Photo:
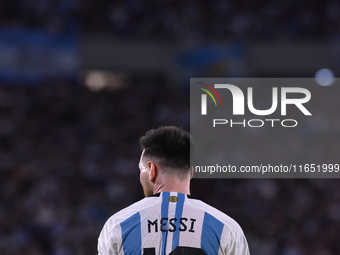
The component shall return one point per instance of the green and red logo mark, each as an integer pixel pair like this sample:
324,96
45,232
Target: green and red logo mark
204,97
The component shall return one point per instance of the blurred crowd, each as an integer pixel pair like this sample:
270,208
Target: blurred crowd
69,160
175,20
69,157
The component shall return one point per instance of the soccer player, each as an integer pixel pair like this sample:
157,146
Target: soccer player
168,220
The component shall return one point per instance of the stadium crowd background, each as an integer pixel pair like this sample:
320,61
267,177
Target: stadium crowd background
176,19
69,157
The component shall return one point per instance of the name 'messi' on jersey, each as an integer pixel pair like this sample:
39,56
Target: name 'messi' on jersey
165,225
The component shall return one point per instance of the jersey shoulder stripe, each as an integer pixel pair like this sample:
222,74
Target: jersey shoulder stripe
127,212
211,234
226,220
131,235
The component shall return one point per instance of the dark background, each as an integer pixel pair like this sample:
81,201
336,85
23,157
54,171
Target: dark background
81,81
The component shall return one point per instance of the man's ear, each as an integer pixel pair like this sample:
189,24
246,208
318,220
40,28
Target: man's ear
192,172
153,171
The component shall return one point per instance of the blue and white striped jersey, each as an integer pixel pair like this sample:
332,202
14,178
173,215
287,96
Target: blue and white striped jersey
158,224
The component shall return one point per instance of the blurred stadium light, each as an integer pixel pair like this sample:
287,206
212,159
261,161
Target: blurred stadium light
96,80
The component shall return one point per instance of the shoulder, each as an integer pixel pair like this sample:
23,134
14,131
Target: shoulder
224,218
129,211
110,234
232,238
230,225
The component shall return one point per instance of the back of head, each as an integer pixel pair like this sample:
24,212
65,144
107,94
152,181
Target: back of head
170,147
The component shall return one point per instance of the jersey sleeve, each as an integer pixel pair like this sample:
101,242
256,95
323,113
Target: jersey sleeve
107,244
235,242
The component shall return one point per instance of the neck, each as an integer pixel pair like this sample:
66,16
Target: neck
172,183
